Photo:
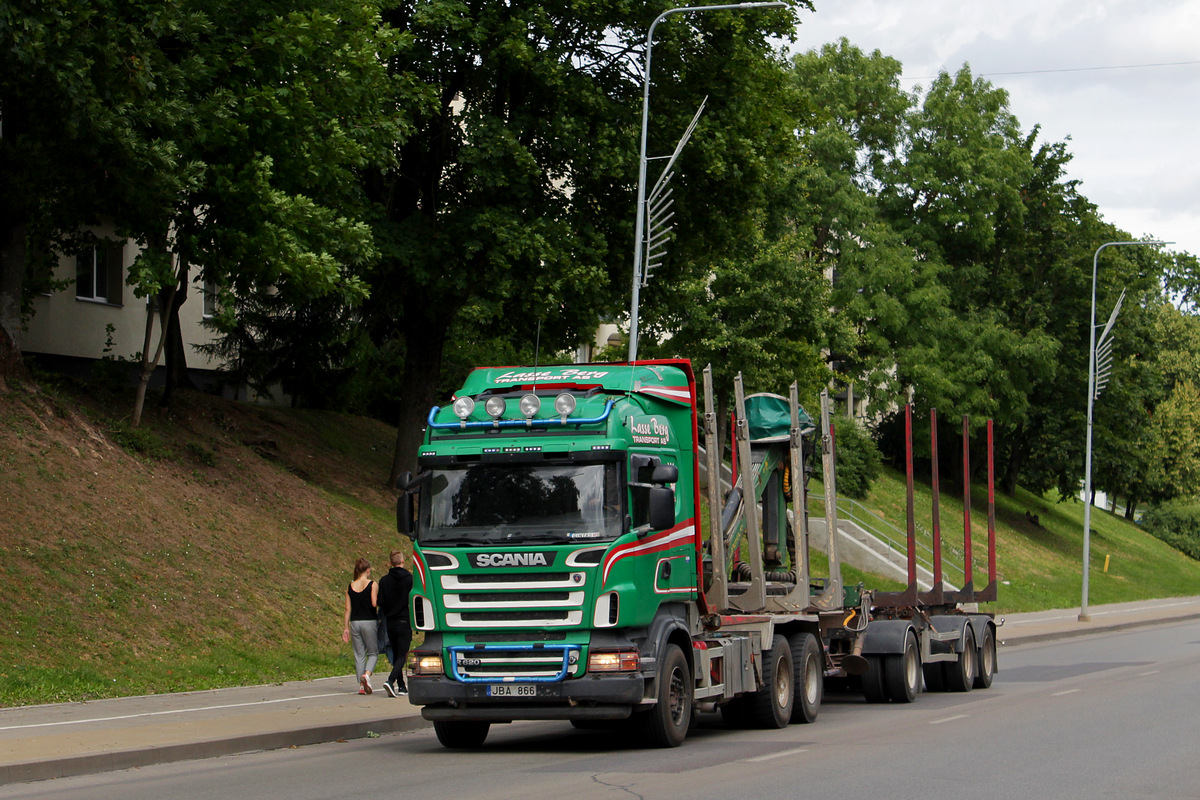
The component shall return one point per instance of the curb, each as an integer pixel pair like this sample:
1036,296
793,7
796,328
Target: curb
71,766
1073,633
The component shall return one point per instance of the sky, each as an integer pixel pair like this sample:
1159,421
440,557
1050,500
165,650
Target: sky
1084,73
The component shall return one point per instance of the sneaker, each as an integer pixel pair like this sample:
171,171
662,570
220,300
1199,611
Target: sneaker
401,690
366,685
387,687
362,691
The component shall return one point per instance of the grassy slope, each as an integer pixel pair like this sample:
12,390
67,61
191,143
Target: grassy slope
1040,548
211,547
216,556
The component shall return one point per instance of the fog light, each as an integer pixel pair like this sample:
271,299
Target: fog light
564,405
494,407
427,664
619,661
530,406
463,407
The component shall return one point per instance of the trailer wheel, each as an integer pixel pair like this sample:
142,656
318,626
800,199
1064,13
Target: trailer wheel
666,723
902,672
960,674
461,734
771,707
935,676
987,659
808,668
872,681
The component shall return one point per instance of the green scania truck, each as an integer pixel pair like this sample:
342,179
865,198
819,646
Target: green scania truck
562,570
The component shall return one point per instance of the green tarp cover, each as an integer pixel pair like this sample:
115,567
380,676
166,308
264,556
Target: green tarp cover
770,420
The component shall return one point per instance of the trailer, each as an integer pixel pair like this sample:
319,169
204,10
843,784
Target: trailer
562,570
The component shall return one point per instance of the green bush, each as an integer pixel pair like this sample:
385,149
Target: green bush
1177,523
858,459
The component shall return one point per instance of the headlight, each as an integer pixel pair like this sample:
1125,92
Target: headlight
530,405
619,661
463,407
564,405
494,407
427,664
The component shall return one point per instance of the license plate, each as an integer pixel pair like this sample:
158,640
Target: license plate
512,690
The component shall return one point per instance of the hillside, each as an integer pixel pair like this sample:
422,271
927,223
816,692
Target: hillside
207,548
211,546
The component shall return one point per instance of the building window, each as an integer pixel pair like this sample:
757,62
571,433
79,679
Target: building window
210,299
98,274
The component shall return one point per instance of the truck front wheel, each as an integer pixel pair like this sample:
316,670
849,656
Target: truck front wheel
666,723
461,734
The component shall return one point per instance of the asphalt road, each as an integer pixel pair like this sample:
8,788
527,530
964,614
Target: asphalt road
1105,716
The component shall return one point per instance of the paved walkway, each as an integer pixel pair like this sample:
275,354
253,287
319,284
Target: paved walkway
51,741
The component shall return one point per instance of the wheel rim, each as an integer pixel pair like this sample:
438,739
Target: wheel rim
676,697
969,662
988,661
812,680
912,667
783,683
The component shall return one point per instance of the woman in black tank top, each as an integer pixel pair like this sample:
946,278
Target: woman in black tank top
362,596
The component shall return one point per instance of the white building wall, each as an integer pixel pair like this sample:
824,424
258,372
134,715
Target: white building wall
66,325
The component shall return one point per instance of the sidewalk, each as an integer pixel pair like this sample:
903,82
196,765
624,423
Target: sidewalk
63,739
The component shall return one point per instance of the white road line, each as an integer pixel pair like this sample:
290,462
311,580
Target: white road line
1068,691
1151,672
164,713
778,755
949,719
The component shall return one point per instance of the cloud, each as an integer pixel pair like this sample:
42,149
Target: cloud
1132,130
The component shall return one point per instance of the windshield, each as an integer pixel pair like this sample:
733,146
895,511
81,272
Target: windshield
515,503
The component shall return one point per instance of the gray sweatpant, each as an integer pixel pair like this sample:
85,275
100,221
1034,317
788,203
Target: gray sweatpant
366,647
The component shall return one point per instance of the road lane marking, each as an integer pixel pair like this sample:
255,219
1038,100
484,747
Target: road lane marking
1068,691
164,713
1144,674
949,719
778,755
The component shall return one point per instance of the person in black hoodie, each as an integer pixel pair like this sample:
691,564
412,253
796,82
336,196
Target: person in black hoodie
393,603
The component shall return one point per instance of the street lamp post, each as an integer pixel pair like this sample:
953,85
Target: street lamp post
639,225
1087,469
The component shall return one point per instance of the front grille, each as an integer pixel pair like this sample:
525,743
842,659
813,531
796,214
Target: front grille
517,636
513,616
513,577
514,597
529,662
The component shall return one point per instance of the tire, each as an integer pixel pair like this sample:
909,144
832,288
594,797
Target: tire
461,734
960,674
902,672
808,670
987,659
666,723
872,681
935,676
771,706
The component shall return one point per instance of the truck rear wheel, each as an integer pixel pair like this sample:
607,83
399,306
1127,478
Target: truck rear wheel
461,734
771,706
902,672
872,680
808,668
960,674
666,723
987,659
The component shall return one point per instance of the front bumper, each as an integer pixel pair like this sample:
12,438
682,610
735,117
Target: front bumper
589,697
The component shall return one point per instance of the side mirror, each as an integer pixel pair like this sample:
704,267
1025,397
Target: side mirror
404,514
662,508
664,473
403,480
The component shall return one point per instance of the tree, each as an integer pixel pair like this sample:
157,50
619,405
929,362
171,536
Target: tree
512,196
73,81
271,108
